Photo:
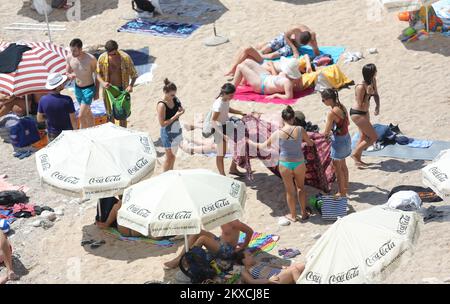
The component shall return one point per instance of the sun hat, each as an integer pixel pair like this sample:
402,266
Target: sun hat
289,66
54,80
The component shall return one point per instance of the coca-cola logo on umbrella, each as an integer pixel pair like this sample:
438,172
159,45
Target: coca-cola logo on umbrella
138,166
53,142
64,178
234,191
344,276
215,206
127,197
105,180
403,224
384,249
44,162
144,141
142,212
181,215
314,277
440,176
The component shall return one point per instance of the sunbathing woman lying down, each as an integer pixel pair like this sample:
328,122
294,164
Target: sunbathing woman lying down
264,273
263,82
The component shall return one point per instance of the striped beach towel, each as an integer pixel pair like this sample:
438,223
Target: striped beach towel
333,207
163,243
260,242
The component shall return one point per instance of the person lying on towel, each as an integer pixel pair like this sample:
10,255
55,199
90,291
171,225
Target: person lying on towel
222,247
284,45
280,86
264,273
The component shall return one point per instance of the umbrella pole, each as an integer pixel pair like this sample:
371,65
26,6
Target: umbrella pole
26,105
428,24
186,243
48,26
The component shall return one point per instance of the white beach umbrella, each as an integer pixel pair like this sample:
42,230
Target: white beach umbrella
181,202
407,6
437,174
362,247
96,162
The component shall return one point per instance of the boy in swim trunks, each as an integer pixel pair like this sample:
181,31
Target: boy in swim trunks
223,247
82,66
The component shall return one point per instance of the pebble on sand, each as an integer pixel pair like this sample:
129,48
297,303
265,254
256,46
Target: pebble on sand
51,216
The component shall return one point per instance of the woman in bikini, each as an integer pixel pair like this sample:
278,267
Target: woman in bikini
336,129
360,112
263,82
265,273
291,162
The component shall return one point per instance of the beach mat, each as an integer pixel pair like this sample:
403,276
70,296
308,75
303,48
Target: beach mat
142,62
246,93
116,234
159,28
334,51
406,152
260,242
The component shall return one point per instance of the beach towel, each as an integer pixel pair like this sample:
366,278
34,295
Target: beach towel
442,10
334,51
407,152
97,108
5,186
260,242
142,62
246,93
163,243
159,28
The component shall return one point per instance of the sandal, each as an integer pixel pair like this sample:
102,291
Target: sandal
97,244
87,242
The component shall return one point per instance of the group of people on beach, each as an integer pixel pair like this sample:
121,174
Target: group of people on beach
252,66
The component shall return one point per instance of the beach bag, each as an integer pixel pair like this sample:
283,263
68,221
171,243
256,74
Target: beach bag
6,122
143,5
24,132
333,207
196,265
405,200
208,129
11,197
120,103
425,194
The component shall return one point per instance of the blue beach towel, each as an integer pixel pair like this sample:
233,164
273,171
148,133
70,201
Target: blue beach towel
334,51
159,28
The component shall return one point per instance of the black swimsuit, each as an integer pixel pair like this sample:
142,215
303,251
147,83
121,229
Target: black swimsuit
358,112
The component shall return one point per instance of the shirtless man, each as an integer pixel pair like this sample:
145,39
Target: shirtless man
223,247
286,44
115,67
275,86
81,66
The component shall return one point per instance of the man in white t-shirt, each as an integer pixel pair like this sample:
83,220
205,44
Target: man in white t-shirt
220,110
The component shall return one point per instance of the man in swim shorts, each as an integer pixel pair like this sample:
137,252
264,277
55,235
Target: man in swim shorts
81,67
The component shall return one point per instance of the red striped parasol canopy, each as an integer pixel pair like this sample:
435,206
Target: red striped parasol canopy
32,72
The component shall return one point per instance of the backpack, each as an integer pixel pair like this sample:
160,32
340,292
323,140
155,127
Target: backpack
24,133
143,5
196,264
120,102
11,197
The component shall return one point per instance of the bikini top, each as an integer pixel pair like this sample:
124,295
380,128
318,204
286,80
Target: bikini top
341,127
367,96
291,148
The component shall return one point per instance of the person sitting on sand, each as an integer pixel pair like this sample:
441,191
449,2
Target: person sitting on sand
17,105
275,86
286,44
6,258
292,162
360,112
265,273
224,246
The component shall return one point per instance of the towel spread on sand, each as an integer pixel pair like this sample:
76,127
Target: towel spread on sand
334,51
163,243
159,28
5,186
260,242
246,93
142,62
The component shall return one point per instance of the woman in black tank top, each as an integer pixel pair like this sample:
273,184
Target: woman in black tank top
360,116
169,110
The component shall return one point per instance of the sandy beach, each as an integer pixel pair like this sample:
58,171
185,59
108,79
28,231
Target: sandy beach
413,86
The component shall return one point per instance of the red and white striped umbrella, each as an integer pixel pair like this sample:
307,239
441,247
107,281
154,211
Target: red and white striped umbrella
36,64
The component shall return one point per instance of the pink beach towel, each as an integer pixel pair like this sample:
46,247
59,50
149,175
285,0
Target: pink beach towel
246,93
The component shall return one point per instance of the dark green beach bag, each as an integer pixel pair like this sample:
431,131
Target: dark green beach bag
120,102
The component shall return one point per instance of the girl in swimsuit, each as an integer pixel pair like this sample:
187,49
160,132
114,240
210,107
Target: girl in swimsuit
336,129
262,82
360,112
265,273
292,162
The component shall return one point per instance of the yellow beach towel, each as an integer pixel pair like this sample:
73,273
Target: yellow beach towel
333,74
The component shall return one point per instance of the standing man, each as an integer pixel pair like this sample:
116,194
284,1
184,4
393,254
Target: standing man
81,66
116,68
57,109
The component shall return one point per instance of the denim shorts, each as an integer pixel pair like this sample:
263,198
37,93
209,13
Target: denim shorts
341,146
171,136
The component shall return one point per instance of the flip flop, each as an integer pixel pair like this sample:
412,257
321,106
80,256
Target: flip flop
87,242
291,254
97,244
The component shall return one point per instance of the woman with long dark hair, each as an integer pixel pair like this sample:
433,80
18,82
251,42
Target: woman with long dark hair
336,129
360,111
